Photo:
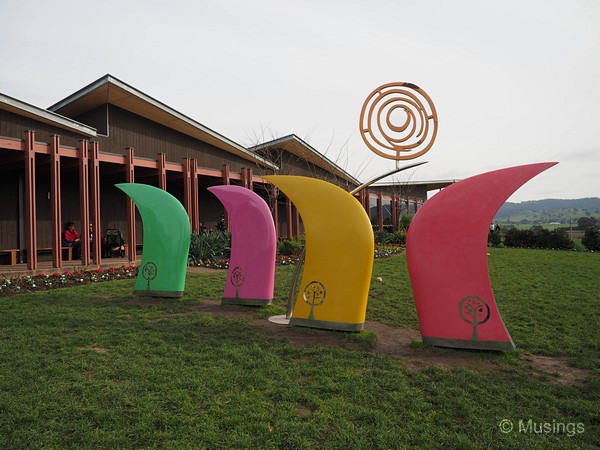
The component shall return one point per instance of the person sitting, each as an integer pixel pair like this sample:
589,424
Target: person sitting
113,244
71,237
221,225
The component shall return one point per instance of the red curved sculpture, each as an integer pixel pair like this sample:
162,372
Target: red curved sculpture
446,250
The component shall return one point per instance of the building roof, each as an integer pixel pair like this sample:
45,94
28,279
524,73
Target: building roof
429,185
109,89
293,144
41,115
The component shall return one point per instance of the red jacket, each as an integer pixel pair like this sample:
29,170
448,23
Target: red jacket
71,236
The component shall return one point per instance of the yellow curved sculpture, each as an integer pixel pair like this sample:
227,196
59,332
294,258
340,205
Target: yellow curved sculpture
334,289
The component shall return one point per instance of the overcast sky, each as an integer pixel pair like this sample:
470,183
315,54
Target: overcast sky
513,81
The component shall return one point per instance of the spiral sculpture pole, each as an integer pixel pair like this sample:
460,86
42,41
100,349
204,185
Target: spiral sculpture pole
398,121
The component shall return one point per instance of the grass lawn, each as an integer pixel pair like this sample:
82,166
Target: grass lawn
95,367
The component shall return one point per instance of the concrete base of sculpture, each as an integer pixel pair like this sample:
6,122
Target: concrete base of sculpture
327,325
470,344
247,301
166,294
279,320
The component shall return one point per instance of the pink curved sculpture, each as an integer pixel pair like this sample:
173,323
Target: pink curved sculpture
251,275
446,250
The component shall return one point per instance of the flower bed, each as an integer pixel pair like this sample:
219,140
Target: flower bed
213,263
381,251
281,260
290,260
42,282
385,251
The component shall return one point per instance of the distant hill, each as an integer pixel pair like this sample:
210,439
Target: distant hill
549,210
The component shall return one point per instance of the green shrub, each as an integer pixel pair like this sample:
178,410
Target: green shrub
591,239
399,237
288,247
494,238
383,237
559,239
209,245
515,238
583,223
405,221
538,237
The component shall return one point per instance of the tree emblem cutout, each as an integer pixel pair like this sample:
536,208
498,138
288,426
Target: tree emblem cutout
474,310
237,279
314,295
149,272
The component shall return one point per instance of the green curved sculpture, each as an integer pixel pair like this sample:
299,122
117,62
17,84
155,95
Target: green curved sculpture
166,241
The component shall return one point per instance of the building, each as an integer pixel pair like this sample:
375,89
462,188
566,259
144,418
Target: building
62,163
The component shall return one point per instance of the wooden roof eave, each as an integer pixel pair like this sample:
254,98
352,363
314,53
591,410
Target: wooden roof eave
298,147
109,89
21,108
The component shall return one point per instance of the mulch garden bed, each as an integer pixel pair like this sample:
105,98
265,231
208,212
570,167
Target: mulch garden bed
43,282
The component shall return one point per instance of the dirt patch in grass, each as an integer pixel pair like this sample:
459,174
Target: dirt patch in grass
558,367
398,342
390,341
64,335
302,411
304,379
95,348
305,336
395,342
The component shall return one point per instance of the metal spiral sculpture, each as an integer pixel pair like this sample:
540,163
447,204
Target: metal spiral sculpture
398,118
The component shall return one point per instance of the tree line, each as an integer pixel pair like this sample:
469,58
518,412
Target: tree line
539,237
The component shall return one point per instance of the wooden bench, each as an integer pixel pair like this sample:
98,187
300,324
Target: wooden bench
69,251
126,247
13,253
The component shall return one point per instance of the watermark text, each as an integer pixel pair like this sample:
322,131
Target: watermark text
531,426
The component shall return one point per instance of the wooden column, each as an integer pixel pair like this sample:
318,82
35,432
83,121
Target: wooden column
129,178
275,211
56,201
243,182
195,196
288,205
394,213
95,206
416,202
367,202
187,188
162,171
407,206
84,201
297,222
250,182
380,211
30,205
226,182
226,175
399,210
